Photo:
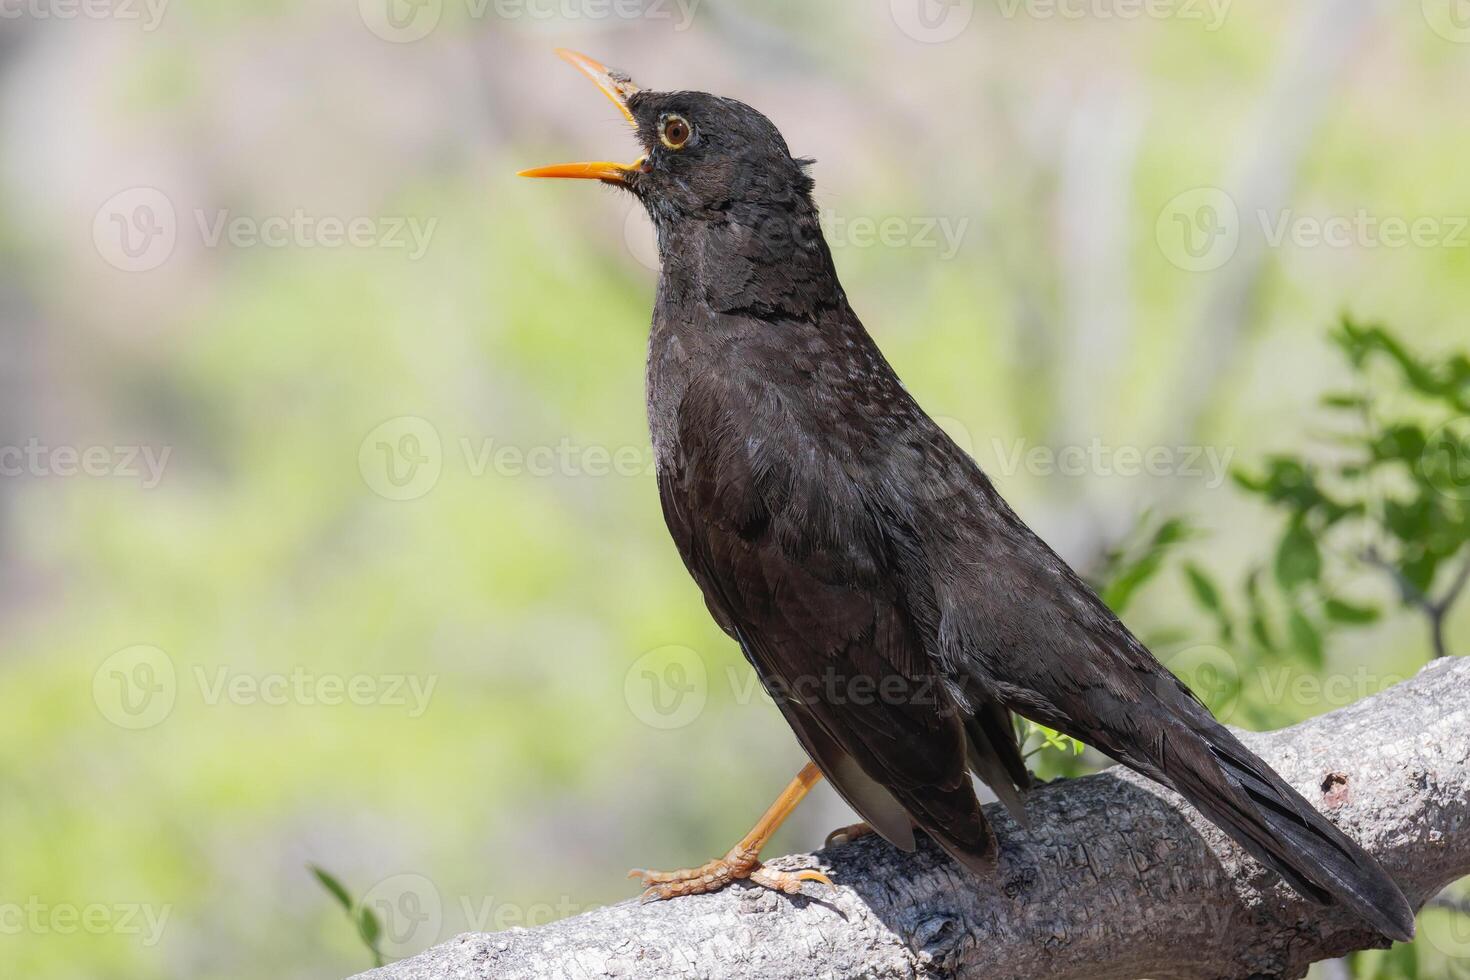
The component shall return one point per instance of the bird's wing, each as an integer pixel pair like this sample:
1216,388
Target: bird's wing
801,567
1023,626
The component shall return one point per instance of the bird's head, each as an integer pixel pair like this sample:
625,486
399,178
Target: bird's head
704,156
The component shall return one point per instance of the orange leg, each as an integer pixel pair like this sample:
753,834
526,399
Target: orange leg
742,862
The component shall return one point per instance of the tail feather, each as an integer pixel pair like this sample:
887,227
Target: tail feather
995,757
953,820
1308,850
1242,795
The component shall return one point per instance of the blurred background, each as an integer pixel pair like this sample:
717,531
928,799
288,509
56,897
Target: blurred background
328,531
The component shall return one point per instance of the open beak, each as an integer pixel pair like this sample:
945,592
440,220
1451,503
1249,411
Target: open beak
618,87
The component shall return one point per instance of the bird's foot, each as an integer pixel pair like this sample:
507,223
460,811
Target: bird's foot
740,864
849,833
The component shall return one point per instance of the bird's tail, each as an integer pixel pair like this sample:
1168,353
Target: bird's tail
1243,796
995,756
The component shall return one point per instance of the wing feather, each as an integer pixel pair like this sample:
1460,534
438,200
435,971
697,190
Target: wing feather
794,562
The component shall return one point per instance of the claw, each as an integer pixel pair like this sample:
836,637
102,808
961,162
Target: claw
742,862
852,832
717,874
786,882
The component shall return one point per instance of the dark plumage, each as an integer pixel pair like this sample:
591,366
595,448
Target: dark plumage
893,604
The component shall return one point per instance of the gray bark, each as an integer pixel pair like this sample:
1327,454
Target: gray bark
1114,877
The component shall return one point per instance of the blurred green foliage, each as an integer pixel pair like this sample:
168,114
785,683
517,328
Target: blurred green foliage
1396,502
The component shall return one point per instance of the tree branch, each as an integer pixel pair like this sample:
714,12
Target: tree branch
1442,607
1113,878
1435,610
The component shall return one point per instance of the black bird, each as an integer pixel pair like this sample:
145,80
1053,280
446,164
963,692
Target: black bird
892,603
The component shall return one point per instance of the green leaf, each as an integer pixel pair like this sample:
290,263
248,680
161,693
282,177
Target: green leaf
1418,568
1171,532
1345,399
1203,587
1259,623
1297,559
1445,382
1342,611
1131,566
368,925
1119,592
1248,482
1409,520
1305,637
1207,594
370,929
1052,738
335,887
1400,443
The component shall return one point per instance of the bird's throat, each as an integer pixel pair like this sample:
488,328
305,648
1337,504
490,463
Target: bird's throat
773,262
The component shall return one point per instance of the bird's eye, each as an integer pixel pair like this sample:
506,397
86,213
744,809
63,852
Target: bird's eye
675,132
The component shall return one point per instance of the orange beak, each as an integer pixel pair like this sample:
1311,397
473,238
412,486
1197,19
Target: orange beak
618,88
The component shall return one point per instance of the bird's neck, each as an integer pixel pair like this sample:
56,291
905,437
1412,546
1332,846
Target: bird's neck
768,261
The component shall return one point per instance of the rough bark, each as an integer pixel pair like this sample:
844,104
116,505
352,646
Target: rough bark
1113,878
